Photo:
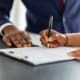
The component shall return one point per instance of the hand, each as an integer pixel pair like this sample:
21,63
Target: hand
12,36
56,39
75,53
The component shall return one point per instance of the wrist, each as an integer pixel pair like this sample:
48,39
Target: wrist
9,30
66,40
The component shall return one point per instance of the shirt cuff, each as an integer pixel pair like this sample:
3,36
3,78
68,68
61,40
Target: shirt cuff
3,26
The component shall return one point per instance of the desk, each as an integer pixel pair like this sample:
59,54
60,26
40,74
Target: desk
14,70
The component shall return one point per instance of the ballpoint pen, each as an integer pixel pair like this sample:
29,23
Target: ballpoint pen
50,28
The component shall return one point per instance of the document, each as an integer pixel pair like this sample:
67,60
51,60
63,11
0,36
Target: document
39,55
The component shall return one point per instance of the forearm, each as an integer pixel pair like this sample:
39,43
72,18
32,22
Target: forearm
73,39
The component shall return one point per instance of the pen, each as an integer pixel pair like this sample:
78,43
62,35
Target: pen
50,28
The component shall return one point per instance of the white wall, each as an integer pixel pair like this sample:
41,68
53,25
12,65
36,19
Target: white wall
18,14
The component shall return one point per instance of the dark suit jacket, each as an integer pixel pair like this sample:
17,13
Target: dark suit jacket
39,11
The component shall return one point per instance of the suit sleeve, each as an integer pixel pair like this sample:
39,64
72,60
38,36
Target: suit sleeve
5,8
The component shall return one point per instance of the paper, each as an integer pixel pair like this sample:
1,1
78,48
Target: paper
39,55
35,39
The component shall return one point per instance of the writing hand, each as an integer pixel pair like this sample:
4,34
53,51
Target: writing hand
56,39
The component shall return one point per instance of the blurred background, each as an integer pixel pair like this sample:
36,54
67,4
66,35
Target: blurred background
18,14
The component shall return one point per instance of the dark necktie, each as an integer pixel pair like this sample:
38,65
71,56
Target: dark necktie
61,2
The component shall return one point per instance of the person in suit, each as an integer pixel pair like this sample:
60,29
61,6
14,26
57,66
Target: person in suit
66,19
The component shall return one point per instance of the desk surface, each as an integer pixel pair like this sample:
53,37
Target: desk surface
14,70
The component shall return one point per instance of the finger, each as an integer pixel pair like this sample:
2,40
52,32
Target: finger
23,44
15,42
54,45
78,58
13,38
7,41
23,41
27,40
43,42
19,45
43,31
27,45
61,39
51,45
48,45
45,38
20,35
43,35
26,36
20,40
74,53
52,38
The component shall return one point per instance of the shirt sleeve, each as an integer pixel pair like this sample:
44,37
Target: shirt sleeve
3,26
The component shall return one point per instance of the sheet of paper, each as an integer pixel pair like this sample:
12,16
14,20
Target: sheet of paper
39,55
35,39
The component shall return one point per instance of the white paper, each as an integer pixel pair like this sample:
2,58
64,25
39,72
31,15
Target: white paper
35,39
40,55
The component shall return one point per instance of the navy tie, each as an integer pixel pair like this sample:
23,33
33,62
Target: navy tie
61,2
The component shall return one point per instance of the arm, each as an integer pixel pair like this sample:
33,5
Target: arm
11,35
73,39
5,8
58,39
